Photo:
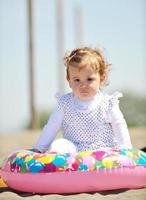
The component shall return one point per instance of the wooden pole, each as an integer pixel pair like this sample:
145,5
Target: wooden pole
60,45
78,26
31,63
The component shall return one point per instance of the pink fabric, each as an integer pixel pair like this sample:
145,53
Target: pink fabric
77,181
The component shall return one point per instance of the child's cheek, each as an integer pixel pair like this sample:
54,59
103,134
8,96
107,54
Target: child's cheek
74,85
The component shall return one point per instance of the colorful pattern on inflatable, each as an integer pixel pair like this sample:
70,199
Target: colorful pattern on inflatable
105,169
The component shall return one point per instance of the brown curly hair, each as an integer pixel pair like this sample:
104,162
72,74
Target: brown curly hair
81,57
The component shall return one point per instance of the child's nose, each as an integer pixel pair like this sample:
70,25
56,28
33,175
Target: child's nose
83,84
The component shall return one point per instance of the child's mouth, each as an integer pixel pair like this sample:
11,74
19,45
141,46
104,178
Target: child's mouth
84,92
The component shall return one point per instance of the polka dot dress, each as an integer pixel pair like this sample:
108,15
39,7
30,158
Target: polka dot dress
89,128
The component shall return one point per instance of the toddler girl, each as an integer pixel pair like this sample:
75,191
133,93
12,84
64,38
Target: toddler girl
90,119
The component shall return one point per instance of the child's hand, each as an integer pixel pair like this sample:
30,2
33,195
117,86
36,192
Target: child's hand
34,150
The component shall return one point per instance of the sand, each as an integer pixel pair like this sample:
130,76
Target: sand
25,140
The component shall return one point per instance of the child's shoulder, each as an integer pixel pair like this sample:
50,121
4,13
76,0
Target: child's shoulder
63,98
113,98
114,95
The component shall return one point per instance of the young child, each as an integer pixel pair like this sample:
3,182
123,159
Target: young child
89,118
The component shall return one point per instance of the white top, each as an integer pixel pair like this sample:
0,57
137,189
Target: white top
89,124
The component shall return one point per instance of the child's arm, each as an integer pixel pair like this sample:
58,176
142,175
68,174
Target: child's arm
50,131
120,127
34,150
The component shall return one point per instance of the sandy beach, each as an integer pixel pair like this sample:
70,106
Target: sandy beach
11,142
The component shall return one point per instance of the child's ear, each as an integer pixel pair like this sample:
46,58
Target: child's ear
67,78
102,79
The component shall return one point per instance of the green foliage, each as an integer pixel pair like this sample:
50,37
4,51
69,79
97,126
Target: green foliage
42,118
134,109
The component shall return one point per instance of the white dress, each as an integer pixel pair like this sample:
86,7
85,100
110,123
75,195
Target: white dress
88,124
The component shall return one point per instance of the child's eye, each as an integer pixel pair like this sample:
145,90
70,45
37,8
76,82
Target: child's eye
90,79
77,80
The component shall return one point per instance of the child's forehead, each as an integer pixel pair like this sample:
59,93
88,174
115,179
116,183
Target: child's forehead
76,70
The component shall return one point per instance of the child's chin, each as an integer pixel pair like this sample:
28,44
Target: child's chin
85,97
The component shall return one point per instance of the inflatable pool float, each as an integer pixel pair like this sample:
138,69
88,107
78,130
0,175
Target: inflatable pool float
90,171
2,184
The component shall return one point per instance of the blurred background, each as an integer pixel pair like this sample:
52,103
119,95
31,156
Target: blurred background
36,34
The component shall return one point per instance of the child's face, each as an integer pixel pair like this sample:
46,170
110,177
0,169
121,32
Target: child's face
84,82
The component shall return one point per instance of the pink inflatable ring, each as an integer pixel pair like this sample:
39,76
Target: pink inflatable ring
90,171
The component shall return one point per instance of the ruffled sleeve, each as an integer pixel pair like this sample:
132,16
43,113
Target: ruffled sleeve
60,101
58,96
118,122
114,98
